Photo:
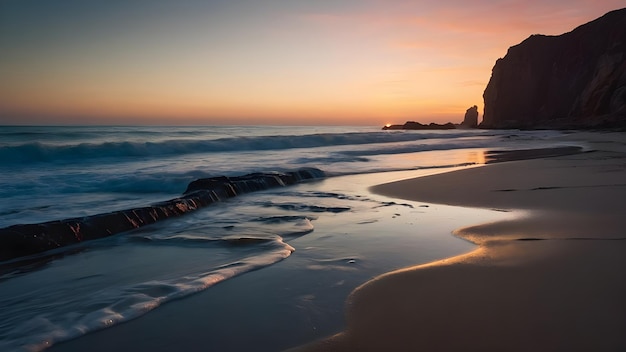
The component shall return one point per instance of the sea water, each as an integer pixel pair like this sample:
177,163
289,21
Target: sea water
53,173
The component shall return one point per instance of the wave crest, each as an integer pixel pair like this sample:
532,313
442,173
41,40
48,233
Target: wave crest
38,152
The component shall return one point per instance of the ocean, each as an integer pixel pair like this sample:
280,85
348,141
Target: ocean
326,235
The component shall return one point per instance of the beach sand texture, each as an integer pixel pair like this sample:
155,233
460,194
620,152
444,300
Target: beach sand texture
552,278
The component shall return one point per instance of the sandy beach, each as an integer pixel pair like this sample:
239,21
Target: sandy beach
549,279
300,299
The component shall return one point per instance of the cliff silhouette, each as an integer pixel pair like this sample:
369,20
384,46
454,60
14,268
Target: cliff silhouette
573,80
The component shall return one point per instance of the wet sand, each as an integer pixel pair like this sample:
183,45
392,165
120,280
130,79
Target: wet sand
551,278
299,299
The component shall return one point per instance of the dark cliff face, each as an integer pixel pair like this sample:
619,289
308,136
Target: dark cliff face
575,80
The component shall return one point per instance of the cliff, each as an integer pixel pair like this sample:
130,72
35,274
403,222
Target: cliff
574,80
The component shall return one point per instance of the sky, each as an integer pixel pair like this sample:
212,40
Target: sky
281,62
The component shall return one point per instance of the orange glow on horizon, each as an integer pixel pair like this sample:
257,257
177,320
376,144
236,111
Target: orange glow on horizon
366,64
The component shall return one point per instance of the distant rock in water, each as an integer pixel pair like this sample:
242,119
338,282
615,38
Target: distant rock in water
574,80
471,118
27,239
412,125
469,121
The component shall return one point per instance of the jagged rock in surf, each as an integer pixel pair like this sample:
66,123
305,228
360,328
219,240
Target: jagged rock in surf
27,239
253,182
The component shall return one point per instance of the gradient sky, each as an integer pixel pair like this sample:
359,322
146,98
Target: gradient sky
261,61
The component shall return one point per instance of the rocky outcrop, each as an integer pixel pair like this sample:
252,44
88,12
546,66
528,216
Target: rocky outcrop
26,239
470,121
471,118
412,125
574,80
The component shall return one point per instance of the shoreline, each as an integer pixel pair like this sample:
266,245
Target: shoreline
184,324
299,299
549,278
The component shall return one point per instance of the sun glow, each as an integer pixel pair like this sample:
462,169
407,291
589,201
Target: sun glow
262,63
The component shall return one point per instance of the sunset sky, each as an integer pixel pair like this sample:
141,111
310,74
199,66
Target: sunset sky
366,62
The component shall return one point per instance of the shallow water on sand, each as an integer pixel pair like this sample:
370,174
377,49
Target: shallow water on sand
302,298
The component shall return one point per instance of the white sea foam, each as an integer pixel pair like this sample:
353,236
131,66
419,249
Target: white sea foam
40,318
35,151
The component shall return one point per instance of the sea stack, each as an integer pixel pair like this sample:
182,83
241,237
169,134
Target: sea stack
471,118
574,80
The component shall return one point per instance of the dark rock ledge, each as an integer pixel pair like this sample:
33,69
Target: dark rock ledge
28,239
